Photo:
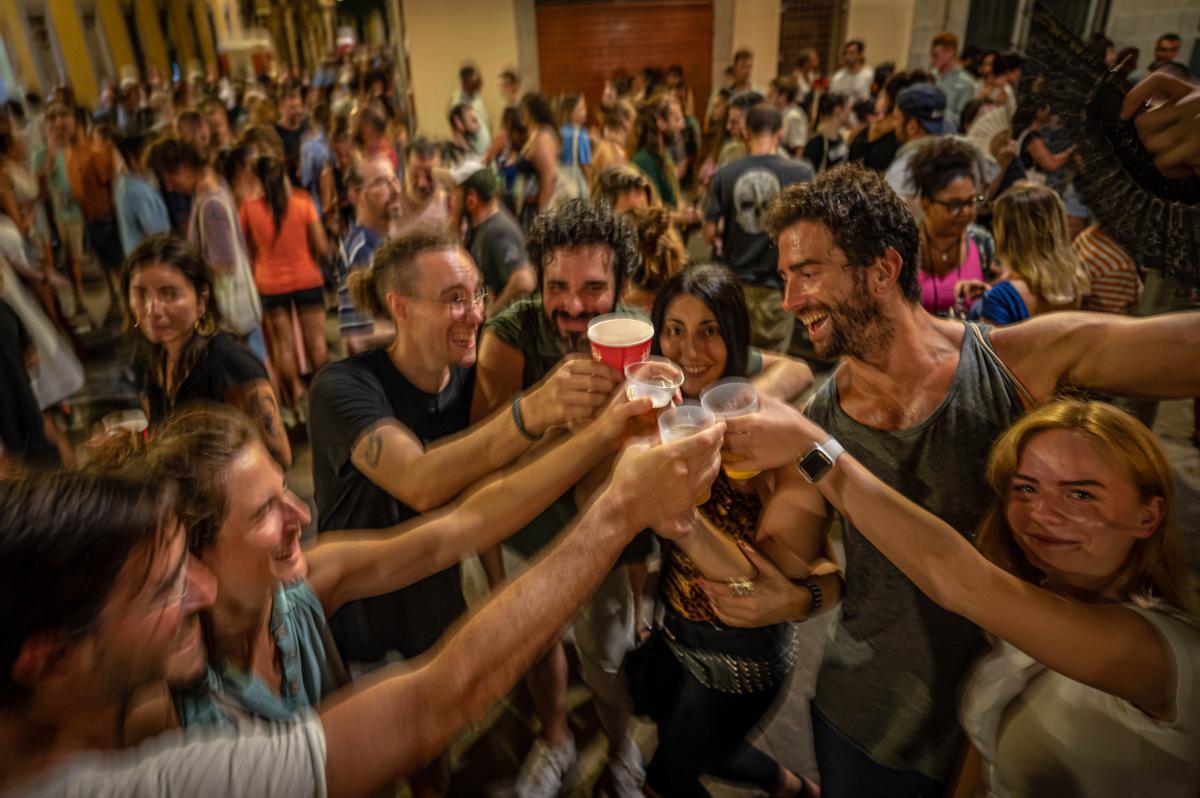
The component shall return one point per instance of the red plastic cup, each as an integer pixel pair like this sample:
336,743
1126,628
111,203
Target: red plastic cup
618,340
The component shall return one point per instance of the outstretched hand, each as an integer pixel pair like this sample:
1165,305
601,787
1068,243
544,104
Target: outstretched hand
576,388
778,434
659,483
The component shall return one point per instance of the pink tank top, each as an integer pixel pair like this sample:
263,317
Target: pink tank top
937,293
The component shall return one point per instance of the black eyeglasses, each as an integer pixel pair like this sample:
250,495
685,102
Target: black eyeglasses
955,207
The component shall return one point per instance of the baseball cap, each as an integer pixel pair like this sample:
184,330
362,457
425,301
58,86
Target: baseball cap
474,173
926,104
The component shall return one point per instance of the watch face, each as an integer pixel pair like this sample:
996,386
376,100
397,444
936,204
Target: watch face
815,464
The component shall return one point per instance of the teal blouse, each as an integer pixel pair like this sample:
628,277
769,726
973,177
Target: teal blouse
228,692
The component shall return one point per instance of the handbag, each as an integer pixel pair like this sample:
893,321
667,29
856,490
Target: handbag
235,293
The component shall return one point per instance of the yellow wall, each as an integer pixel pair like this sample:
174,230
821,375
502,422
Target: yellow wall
150,36
64,15
884,26
112,23
16,40
756,26
200,19
441,37
180,23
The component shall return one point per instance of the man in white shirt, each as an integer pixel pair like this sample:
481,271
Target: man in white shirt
854,78
472,85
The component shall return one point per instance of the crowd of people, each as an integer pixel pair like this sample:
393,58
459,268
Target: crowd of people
293,264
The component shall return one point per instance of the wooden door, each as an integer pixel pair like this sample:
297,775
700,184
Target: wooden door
580,45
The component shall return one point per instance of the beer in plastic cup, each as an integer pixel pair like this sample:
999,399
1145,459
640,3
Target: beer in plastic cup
730,398
656,378
682,421
618,340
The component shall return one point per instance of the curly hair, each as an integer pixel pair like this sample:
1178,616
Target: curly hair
578,223
943,160
863,214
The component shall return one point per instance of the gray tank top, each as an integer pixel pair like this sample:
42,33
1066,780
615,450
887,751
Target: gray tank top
894,661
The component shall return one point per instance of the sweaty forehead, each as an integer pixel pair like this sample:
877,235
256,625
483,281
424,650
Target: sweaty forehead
587,262
808,240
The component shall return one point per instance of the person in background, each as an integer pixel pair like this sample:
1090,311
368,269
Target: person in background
806,74
464,131
193,128
782,95
609,144
424,202
337,208
956,254
182,356
217,117
875,146
141,211
920,114
285,239
374,191
493,238
1039,271
853,80
372,137
738,200
952,78
828,148
659,122
663,254
537,159
1112,273
575,158
510,87
470,85
292,126
23,439
214,231
624,188
735,126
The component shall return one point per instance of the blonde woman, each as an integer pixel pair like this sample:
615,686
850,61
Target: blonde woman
1082,583
1040,271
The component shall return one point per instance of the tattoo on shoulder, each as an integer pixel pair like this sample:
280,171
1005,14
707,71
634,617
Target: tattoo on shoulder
374,451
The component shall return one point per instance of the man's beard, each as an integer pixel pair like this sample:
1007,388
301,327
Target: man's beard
857,327
572,341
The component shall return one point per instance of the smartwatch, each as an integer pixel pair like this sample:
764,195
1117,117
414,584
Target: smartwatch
820,460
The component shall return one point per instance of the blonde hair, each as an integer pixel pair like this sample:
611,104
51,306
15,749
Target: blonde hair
391,269
1033,240
1157,567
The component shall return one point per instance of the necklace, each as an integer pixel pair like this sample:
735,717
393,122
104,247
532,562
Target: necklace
939,257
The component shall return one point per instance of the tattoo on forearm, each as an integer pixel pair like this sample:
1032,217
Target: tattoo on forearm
374,449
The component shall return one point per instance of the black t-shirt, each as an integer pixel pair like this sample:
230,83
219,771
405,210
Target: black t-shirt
348,398
739,194
224,366
291,148
877,154
22,433
498,248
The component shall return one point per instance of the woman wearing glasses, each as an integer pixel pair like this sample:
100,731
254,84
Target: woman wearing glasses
956,254
1040,271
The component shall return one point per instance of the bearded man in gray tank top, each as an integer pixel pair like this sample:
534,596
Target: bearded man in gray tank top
919,400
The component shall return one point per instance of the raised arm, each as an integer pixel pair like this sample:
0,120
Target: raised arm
783,377
392,724
1156,357
1105,646
392,457
348,566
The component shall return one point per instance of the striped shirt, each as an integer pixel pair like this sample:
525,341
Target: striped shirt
1115,282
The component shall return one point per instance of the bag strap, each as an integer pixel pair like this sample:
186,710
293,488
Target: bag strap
1027,400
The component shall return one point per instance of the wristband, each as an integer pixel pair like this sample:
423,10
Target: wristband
516,414
818,598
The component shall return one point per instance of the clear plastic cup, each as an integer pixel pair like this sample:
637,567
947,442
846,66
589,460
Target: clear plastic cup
682,421
657,378
618,339
730,398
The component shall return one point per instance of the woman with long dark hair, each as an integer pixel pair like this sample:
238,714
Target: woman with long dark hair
285,237
181,354
716,682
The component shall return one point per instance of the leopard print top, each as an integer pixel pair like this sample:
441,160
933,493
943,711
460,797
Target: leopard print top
731,512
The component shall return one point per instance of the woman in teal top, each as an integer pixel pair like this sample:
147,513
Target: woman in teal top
268,652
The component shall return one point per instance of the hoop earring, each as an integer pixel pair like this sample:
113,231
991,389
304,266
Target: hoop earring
205,325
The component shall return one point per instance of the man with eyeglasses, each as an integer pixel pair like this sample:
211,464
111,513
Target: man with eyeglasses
389,428
582,253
